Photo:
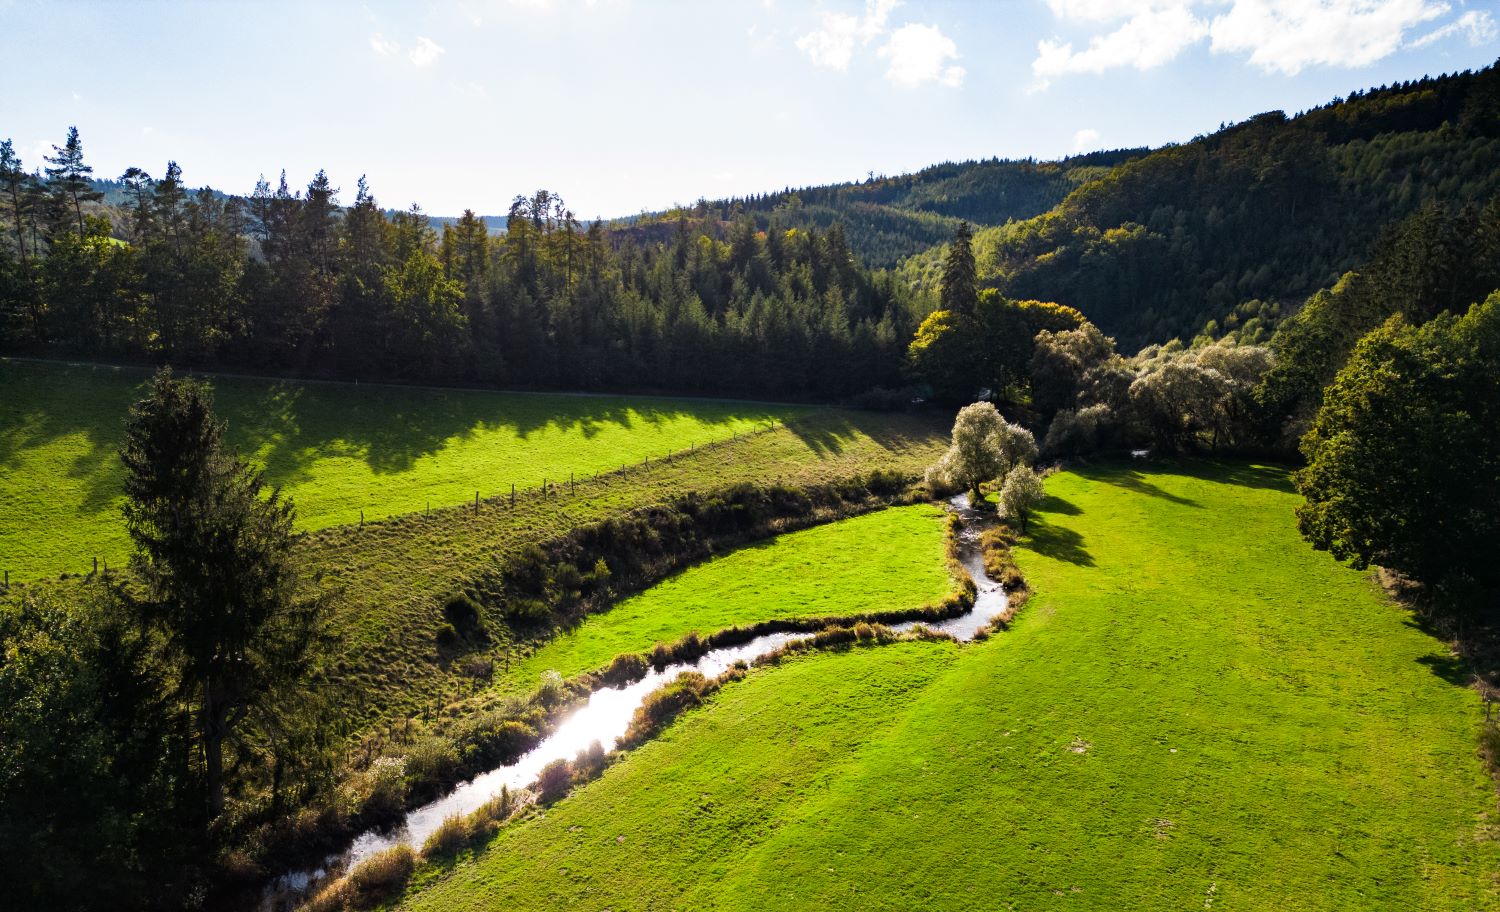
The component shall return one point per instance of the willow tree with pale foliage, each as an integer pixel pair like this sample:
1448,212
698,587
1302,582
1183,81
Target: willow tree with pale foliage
985,447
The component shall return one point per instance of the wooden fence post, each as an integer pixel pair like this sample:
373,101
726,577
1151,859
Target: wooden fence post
96,566
513,493
361,519
476,503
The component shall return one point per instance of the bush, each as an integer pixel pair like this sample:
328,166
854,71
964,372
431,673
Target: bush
464,613
626,667
551,689
864,631
554,780
661,656
382,875
590,761
492,738
430,764
1489,747
376,793
450,836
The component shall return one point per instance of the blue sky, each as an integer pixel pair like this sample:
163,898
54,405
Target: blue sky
624,105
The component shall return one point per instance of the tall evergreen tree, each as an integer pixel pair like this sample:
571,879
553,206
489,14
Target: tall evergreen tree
960,292
68,177
213,553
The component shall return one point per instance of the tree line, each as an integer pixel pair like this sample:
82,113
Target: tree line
295,281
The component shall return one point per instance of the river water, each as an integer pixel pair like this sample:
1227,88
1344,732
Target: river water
606,716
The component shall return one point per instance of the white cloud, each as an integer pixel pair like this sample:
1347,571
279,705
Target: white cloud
426,52
920,53
1289,35
1479,24
1152,34
380,45
1276,35
1085,139
832,46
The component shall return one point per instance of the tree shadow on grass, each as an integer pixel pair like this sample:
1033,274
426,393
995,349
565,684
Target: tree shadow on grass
1132,480
1054,504
1450,668
1057,542
1246,475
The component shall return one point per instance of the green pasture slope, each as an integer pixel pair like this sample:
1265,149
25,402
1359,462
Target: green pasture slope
335,449
1195,710
886,560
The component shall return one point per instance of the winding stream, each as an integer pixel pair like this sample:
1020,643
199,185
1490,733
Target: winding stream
606,716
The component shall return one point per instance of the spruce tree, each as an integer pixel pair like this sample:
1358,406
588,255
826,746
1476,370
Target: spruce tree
960,294
213,554
69,179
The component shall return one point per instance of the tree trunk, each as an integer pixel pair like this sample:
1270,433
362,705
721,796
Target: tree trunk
211,723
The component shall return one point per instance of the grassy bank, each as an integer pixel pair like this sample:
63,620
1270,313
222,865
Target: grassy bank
883,561
394,576
1194,710
337,449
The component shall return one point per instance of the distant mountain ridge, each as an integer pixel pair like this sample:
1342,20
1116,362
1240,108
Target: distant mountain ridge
887,219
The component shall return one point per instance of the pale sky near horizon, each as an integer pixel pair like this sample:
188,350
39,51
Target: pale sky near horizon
627,105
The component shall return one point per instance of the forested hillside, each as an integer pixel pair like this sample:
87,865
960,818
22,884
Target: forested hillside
1266,210
888,219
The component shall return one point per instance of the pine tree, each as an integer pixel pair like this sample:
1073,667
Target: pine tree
213,553
960,294
13,185
69,178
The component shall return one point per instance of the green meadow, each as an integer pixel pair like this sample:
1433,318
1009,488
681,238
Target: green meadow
1194,710
335,448
886,560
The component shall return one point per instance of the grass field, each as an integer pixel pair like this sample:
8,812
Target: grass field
887,560
393,576
1194,711
336,449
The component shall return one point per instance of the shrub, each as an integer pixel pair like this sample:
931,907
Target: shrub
661,656
554,780
521,610
590,761
864,631
382,875
1489,746
626,667
463,612
450,836
492,738
335,896
378,792
431,762
447,635
551,689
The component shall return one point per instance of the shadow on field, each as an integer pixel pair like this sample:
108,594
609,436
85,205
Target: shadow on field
1057,542
1132,480
825,433
1054,504
1450,668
